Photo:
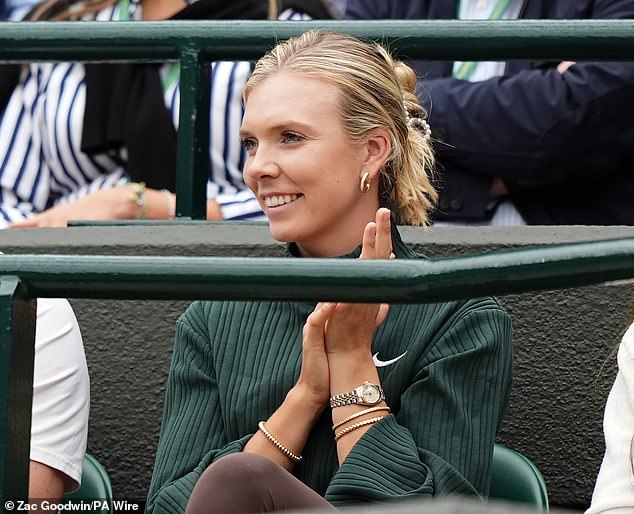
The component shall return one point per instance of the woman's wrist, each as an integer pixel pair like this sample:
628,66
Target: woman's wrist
306,403
123,202
350,370
137,198
158,205
351,364
170,203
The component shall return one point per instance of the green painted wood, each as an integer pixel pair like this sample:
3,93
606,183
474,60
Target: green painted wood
193,137
135,277
243,39
17,337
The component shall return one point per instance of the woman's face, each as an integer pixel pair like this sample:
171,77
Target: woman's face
303,168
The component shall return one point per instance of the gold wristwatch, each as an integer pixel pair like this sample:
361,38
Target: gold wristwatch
365,394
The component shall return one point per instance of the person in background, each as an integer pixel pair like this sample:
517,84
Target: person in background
526,142
98,141
61,403
287,405
614,489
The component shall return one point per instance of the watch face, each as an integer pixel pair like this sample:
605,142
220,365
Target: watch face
370,393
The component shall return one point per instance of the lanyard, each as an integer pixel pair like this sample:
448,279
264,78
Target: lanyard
466,69
172,76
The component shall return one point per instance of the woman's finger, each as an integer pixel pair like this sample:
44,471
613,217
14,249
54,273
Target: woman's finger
316,321
383,240
368,249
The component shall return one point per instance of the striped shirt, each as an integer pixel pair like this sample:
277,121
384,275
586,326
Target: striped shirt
41,162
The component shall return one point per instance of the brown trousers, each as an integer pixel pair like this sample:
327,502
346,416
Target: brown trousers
245,483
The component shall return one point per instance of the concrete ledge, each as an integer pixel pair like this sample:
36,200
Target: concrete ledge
563,342
233,238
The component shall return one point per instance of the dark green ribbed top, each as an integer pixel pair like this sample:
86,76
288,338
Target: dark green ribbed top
234,362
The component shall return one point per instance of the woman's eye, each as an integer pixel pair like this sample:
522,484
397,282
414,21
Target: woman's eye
291,137
248,144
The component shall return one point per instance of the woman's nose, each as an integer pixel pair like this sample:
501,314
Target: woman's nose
261,165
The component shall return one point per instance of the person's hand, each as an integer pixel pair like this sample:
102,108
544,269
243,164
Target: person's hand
105,204
314,377
350,329
563,66
498,188
213,211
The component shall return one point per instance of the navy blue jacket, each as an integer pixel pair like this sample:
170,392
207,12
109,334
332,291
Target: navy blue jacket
562,143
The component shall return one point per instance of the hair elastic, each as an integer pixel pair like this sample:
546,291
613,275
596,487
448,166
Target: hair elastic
417,122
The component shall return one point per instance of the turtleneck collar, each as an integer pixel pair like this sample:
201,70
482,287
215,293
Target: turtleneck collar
399,248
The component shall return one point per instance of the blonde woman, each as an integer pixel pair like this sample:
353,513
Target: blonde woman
274,405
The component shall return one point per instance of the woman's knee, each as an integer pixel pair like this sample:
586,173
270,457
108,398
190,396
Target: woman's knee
234,483
243,466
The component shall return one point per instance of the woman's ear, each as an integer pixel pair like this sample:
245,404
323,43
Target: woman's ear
377,151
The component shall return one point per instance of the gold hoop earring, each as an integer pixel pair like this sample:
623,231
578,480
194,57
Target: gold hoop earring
366,183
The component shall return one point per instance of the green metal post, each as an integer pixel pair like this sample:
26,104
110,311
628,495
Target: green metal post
193,136
17,346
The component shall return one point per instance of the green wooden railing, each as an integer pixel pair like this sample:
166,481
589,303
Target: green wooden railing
195,44
24,277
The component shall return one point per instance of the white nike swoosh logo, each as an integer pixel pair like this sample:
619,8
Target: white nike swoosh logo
379,363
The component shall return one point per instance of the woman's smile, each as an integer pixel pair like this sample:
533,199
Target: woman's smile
279,200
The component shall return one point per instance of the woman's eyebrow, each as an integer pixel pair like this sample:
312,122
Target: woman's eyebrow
280,126
288,123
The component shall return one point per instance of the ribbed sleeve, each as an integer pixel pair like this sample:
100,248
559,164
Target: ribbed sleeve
440,439
384,464
446,374
192,433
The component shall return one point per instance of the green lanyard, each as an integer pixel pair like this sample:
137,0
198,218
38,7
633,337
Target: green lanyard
173,72
466,69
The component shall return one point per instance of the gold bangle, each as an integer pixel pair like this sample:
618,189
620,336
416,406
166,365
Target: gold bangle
354,426
137,197
359,414
171,204
278,445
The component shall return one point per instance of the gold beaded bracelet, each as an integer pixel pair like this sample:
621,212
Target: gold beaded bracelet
354,426
171,204
137,197
359,414
278,445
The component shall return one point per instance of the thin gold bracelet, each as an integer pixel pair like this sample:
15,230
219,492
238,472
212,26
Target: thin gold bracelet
137,197
278,445
354,426
359,414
